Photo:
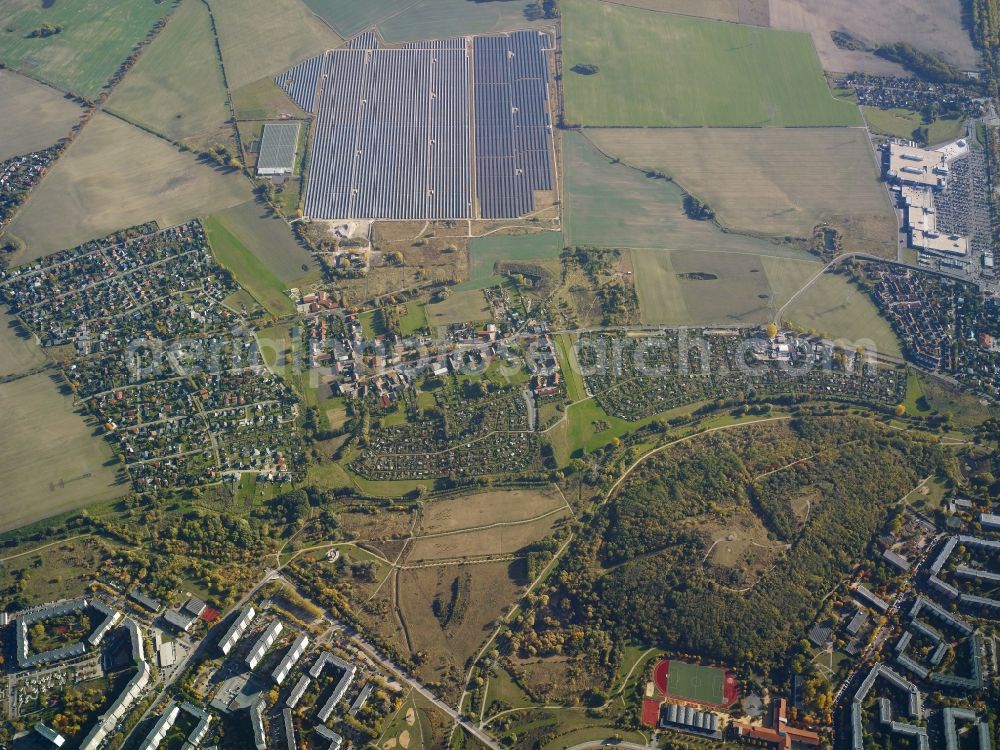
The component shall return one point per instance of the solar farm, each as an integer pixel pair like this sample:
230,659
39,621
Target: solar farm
443,129
709,686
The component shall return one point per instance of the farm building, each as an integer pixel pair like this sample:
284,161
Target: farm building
277,149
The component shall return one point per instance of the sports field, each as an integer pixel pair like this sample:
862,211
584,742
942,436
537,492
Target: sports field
265,37
836,308
770,181
671,70
705,288
176,88
32,116
486,252
116,175
611,205
50,460
97,37
695,683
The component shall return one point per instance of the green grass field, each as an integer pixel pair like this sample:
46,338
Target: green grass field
612,205
485,252
902,123
177,88
247,269
97,37
696,683
272,241
264,100
670,70
405,20
265,37
462,306
836,308
674,287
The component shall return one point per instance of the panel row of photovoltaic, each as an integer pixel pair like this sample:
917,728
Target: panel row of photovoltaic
300,82
392,136
513,126
364,40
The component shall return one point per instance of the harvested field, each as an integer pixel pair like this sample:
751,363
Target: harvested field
930,25
769,181
52,462
116,175
705,288
659,69
97,37
18,352
270,239
721,10
33,116
177,88
836,308
500,506
612,205
500,540
460,307
265,37
477,594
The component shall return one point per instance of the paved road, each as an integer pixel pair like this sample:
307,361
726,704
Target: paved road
610,743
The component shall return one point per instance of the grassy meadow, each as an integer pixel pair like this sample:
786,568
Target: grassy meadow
177,88
765,181
486,252
96,38
659,69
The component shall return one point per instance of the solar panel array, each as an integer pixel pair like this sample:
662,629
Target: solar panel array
393,129
301,82
513,126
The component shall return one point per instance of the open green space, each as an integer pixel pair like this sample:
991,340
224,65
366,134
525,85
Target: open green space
264,100
608,204
96,38
50,457
659,69
177,88
706,288
835,308
272,241
262,38
461,307
486,252
903,123
407,20
247,269
696,683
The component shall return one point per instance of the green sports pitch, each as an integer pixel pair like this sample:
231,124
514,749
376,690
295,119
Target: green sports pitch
692,682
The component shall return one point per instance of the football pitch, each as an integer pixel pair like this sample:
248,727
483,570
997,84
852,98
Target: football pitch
696,683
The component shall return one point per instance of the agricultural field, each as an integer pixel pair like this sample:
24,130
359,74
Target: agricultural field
96,38
658,69
902,123
836,308
929,25
705,288
498,506
270,239
460,307
52,462
115,175
486,252
249,272
720,10
177,88
262,38
406,20
33,116
770,181
612,205
18,352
